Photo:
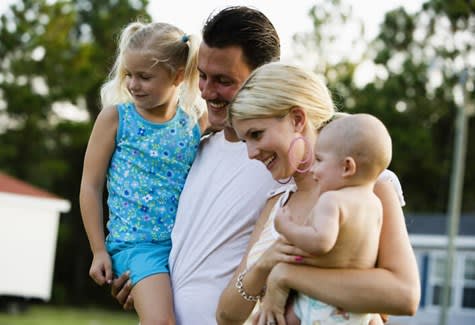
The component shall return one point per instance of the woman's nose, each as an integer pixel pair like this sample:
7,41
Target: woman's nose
252,150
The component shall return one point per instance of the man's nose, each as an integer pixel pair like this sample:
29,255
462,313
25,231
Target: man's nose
208,90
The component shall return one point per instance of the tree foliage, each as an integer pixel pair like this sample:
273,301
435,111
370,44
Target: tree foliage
53,53
416,62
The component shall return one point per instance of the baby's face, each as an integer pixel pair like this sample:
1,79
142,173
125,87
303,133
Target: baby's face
328,166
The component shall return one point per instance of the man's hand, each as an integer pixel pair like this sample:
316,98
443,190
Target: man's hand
120,290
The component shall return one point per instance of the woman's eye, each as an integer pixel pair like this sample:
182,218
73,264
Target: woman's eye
255,134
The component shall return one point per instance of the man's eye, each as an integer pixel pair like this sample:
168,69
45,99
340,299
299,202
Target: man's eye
225,82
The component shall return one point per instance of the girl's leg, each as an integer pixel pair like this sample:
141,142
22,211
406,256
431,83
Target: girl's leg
153,300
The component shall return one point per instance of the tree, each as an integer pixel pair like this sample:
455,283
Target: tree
54,53
416,60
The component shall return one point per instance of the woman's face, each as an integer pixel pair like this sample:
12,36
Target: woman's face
268,140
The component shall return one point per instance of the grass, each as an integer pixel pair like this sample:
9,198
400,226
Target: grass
47,315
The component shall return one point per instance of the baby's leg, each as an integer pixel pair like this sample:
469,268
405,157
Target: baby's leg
376,319
290,316
153,300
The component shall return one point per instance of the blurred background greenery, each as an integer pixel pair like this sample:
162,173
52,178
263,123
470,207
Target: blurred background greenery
60,316
55,55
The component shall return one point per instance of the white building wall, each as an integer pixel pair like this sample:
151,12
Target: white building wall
28,234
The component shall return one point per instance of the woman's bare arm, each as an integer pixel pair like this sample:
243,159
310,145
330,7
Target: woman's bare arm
393,287
232,307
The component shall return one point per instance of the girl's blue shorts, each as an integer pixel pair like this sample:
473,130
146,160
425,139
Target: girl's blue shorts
141,259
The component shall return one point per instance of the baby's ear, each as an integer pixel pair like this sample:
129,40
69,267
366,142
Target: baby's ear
349,167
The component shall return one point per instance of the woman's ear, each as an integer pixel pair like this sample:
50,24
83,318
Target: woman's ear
349,167
179,77
298,117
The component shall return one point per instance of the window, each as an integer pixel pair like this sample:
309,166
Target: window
468,292
436,278
462,288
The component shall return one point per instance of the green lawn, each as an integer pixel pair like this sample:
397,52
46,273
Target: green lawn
47,315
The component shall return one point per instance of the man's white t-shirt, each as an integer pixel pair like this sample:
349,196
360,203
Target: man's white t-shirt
222,198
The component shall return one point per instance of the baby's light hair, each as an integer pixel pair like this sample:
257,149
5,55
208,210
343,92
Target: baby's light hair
171,48
363,137
273,89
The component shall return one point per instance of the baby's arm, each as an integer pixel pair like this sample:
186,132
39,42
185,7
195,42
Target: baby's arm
99,150
392,288
319,235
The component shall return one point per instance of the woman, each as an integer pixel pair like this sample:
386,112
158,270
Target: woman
278,112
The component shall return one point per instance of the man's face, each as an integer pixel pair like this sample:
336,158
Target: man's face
222,72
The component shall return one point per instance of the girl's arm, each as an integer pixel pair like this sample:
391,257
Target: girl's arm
98,153
233,308
393,287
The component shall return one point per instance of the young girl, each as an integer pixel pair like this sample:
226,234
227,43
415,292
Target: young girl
143,142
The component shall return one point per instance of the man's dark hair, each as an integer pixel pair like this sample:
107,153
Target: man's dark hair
246,28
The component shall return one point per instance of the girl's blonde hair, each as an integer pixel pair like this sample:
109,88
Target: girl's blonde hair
171,48
273,89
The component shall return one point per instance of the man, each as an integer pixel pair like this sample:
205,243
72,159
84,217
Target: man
225,190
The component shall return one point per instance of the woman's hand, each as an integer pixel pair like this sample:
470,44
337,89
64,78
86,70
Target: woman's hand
280,251
273,305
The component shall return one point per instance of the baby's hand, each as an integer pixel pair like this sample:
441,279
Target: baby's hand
283,219
101,268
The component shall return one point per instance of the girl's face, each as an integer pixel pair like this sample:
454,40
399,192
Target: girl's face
268,140
150,85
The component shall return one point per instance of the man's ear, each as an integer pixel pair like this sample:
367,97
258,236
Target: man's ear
298,117
179,77
349,167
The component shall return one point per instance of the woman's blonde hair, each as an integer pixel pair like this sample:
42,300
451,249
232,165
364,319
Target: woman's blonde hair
171,48
273,89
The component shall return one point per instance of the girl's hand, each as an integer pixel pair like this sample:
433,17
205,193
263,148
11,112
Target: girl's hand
101,268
